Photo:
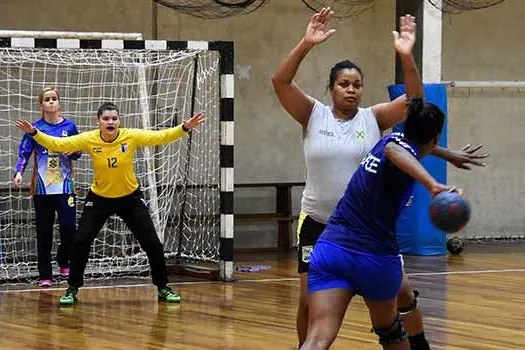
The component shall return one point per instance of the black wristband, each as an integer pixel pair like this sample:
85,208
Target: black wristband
184,128
34,132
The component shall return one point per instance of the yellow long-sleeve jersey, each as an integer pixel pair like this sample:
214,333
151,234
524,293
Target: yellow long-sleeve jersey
112,161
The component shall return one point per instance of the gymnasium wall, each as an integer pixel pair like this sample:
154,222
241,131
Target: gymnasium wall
476,46
488,45
267,141
268,146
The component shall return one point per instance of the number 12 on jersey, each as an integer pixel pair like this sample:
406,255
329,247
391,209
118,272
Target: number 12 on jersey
112,162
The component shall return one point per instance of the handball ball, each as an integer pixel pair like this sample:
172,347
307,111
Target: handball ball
455,245
449,211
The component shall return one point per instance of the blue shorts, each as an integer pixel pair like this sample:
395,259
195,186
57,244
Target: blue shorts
375,277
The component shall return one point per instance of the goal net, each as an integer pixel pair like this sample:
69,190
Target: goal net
156,85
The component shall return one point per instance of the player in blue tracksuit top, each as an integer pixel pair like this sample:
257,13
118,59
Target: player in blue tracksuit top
52,186
357,252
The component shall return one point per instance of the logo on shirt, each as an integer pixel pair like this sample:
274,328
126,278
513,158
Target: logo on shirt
64,133
52,163
306,251
123,147
89,204
360,134
326,133
97,150
71,201
371,163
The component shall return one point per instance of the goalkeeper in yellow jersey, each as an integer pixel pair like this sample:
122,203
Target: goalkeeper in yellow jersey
114,190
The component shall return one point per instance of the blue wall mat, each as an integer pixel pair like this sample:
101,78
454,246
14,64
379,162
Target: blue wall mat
415,233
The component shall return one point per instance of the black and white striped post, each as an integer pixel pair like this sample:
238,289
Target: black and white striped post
225,49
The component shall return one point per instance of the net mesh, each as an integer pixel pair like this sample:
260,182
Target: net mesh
154,89
341,8
456,6
442,6
213,8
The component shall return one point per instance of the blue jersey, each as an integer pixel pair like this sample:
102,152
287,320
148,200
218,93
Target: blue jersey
365,217
53,171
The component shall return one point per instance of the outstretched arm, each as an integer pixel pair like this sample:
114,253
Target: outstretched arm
460,159
160,137
296,102
407,163
57,144
392,113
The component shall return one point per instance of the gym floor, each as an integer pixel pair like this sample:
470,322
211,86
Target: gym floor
471,301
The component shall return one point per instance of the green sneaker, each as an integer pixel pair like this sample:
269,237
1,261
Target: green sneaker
70,297
168,295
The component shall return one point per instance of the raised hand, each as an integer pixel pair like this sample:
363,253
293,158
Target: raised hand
25,126
404,40
467,155
194,121
317,31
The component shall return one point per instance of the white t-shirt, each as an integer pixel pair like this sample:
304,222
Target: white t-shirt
333,149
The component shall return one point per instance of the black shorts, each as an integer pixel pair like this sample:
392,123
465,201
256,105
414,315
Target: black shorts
308,232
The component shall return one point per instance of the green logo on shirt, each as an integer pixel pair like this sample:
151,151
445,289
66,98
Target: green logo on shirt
306,251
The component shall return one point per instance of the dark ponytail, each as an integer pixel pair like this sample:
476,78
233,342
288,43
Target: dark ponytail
415,106
424,121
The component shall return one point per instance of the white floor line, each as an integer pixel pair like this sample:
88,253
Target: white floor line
463,272
468,272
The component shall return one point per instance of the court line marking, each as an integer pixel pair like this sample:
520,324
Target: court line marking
471,272
284,279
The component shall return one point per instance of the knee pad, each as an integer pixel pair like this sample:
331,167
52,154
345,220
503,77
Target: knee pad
410,308
392,335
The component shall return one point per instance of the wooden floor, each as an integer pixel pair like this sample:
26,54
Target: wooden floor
475,301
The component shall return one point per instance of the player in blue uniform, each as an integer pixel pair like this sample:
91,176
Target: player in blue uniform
52,186
357,253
